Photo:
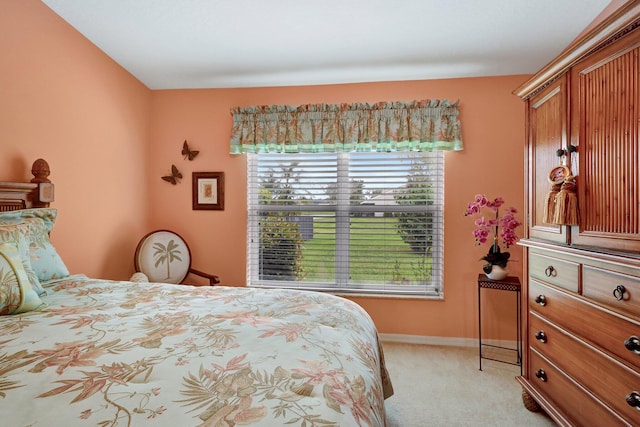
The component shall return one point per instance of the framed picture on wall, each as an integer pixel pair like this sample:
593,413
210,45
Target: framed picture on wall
208,191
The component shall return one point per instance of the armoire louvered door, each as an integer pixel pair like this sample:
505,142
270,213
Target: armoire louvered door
605,108
547,117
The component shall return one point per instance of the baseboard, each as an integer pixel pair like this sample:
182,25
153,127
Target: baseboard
444,341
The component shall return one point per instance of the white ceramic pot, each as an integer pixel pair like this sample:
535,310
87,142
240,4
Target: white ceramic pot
497,272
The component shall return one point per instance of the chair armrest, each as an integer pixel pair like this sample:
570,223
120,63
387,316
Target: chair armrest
213,279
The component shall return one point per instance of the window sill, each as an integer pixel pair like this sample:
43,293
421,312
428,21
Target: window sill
432,296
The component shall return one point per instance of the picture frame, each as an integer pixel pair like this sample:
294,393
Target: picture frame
208,190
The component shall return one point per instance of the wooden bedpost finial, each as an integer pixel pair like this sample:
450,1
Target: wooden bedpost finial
43,195
40,171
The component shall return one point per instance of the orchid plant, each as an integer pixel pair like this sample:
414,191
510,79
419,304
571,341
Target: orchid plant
504,226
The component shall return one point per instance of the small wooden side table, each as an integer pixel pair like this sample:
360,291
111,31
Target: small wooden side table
512,284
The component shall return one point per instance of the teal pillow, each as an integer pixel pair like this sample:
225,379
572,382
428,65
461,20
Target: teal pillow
16,233
44,258
16,293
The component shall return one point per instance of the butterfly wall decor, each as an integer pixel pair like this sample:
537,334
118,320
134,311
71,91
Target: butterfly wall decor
174,177
187,153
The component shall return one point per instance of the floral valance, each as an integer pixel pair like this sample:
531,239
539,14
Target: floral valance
425,125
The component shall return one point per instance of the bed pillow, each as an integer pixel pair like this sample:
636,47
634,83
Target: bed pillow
16,293
45,260
17,233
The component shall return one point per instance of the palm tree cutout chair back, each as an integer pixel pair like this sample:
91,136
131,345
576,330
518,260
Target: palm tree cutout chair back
163,256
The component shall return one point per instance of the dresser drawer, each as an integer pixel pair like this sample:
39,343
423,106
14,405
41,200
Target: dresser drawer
575,403
609,380
601,327
562,273
618,291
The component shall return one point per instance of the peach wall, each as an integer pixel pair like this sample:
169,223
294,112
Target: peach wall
492,163
64,100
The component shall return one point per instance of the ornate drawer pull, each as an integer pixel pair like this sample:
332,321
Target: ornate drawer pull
541,299
618,292
550,271
541,336
632,344
542,375
633,399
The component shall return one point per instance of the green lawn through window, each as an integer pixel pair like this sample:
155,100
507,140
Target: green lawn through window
378,253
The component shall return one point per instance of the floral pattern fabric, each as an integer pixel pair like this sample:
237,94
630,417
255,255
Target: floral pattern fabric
123,353
17,233
16,293
425,125
45,260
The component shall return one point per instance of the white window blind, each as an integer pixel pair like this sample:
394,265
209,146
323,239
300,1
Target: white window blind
346,222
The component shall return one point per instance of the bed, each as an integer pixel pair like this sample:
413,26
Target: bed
81,351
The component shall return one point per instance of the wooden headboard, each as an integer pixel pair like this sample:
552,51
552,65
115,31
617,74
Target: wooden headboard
38,193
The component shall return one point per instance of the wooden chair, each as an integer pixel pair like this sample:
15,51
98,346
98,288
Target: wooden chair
164,256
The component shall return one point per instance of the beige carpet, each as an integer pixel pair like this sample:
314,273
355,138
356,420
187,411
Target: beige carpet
443,387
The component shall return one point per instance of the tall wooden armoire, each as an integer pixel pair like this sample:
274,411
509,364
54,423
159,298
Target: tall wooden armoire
582,248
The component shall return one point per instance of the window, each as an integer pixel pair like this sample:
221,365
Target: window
346,222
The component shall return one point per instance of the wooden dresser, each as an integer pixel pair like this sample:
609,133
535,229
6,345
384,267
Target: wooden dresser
582,281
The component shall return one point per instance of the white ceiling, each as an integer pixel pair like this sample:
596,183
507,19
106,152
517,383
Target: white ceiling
170,44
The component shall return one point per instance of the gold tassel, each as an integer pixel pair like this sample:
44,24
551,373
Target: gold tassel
550,204
566,203
572,209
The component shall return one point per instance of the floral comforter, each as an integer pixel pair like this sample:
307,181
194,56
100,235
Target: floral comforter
106,353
